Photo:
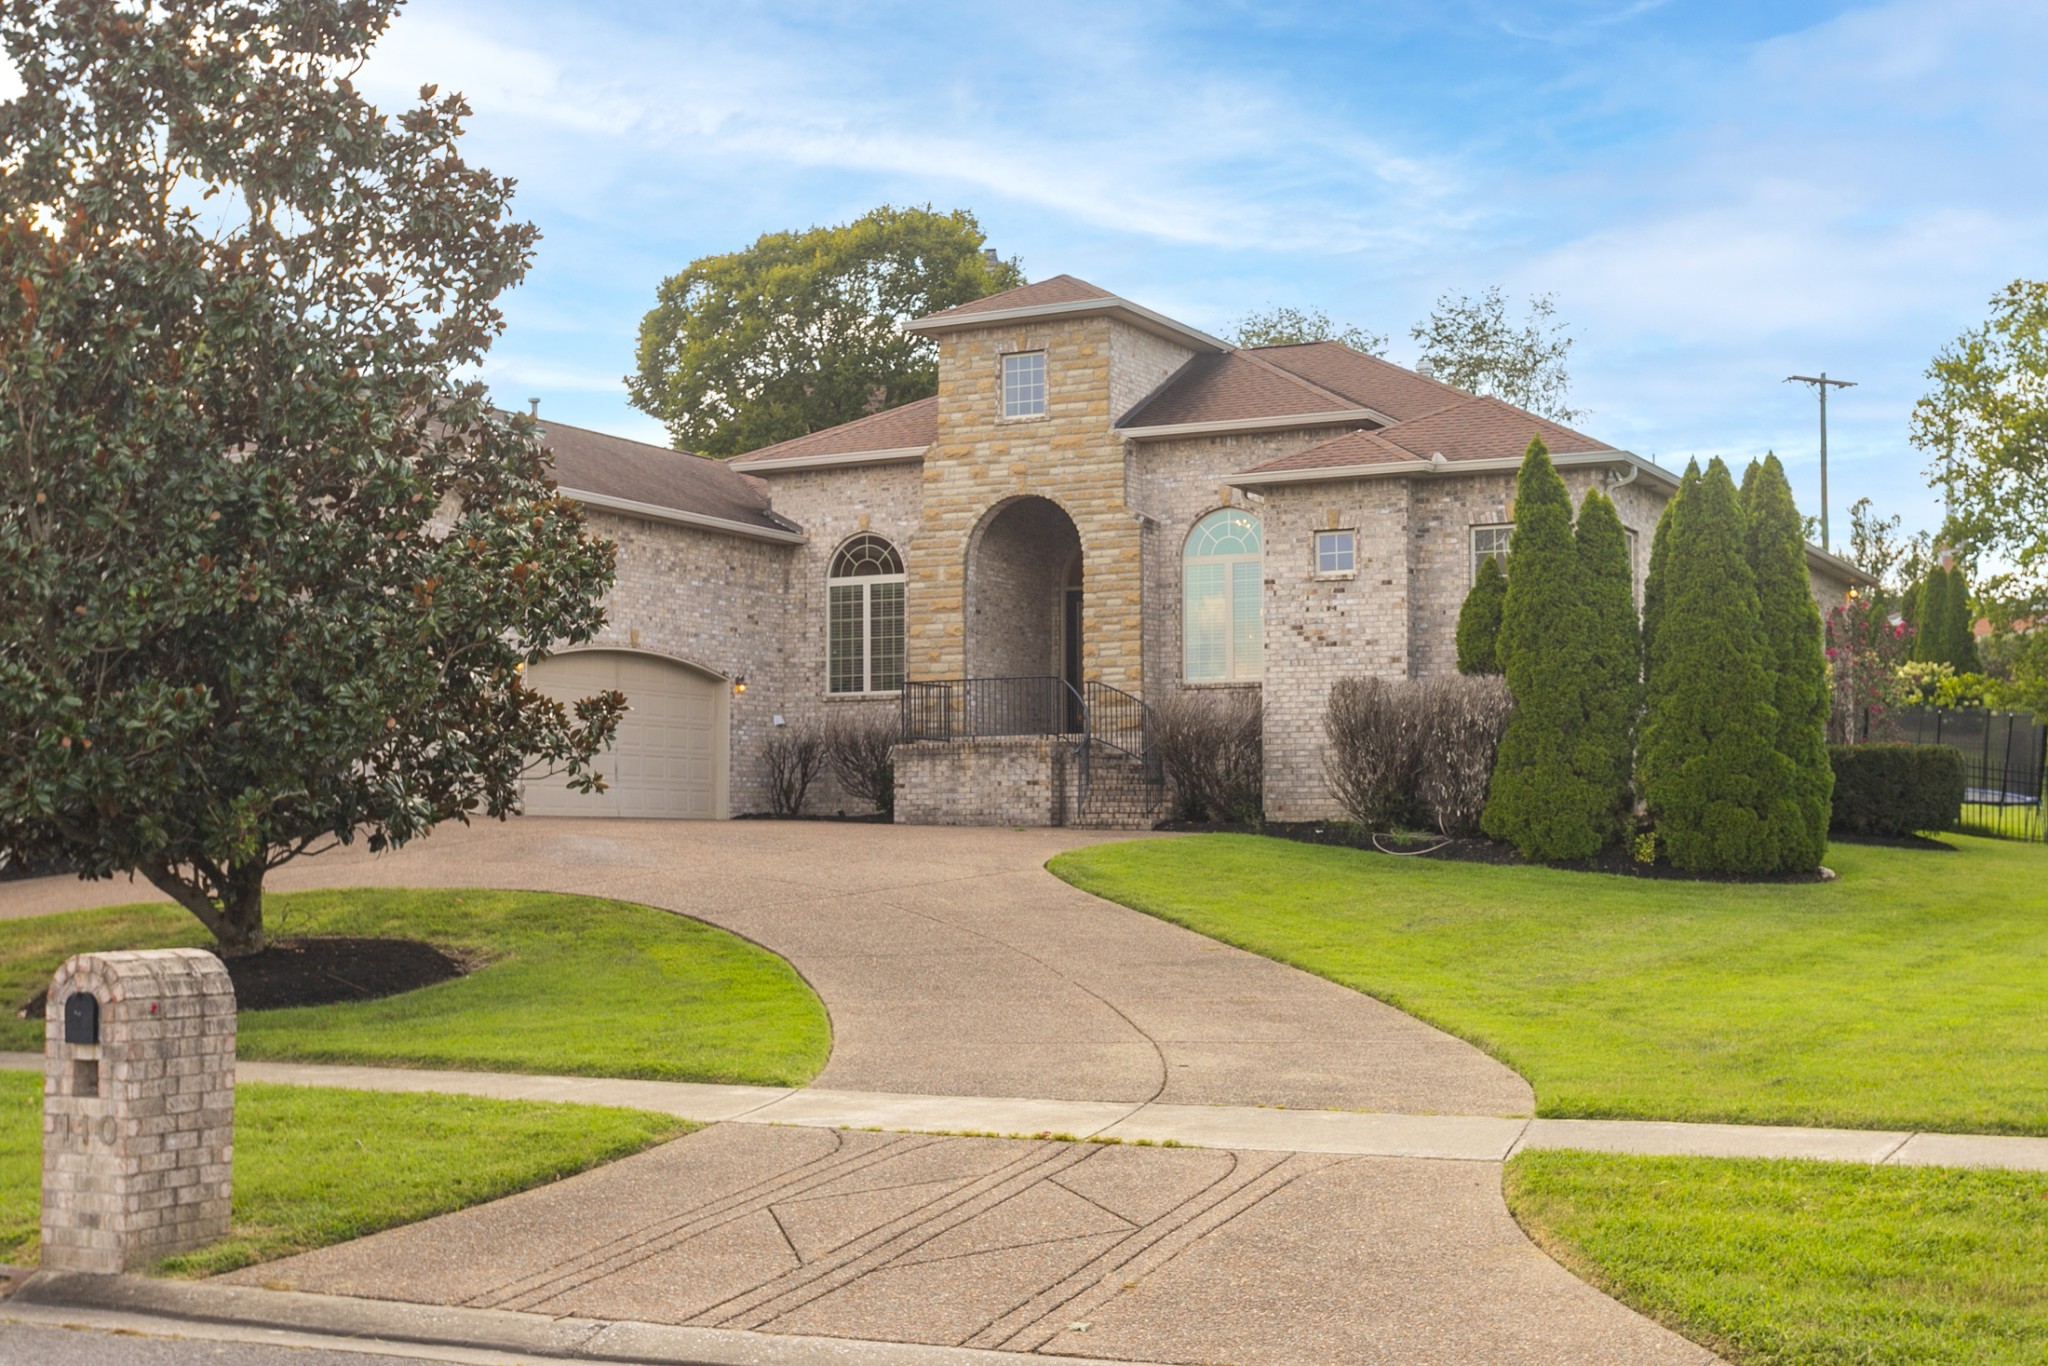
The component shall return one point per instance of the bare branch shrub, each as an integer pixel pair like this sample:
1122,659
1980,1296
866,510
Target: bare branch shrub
1209,744
1460,724
858,746
795,755
1375,748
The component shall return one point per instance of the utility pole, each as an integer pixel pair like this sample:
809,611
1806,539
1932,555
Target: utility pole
1821,382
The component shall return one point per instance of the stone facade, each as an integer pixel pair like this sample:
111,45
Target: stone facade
1020,780
138,1129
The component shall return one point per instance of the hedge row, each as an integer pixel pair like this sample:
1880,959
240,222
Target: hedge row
1893,791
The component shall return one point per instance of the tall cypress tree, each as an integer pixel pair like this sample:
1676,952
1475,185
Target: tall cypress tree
1654,588
1614,687
1546,798
1479,621
1793,653
1711,770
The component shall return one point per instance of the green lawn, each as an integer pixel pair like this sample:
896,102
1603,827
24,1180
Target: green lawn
1786,1262
573,985
315,1166
1909,994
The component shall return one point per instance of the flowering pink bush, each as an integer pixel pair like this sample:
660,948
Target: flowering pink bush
1864,650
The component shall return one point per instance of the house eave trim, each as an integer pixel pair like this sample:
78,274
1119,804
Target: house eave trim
654,512
1411,468
1156,323
895,455
1337,417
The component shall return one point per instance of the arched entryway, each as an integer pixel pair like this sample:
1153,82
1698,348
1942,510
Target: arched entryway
1024,593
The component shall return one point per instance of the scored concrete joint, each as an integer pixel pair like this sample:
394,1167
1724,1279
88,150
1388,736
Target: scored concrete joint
138,1108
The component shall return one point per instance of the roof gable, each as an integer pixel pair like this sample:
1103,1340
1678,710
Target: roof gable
1060,289
634,472
1237,385
1463,432
1398,392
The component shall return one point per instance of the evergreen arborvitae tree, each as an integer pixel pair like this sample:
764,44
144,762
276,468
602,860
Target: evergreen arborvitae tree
1653,602
1793,653
1614,685
1929,598
1479,621
1712,774
1548,798
1943,633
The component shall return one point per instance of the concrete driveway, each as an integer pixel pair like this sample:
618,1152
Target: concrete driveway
953,964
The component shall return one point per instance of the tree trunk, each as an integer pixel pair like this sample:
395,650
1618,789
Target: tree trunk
235,916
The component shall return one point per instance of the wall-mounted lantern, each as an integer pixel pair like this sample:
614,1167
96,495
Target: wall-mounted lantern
739,685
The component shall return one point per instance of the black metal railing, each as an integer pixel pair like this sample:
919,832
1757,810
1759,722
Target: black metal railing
2005,764
978,708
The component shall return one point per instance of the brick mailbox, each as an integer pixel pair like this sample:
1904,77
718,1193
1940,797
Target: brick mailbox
138,1108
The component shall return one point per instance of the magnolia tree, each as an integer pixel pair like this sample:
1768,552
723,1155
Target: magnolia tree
270,578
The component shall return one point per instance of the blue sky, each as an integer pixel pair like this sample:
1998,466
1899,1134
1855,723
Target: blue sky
1718,193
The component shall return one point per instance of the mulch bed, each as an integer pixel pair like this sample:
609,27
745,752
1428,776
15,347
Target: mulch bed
1614,862
322,971
1896,842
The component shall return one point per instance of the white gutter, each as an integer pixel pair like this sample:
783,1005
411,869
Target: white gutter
654,512
1563,460
895,455
1336,417
1157,323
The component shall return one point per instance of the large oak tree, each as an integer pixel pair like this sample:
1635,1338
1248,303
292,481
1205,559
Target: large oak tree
268,577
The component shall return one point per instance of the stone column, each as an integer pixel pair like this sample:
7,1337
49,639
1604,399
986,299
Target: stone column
138,1108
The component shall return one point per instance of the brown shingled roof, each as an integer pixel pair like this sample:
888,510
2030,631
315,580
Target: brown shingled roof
1378,384
613,467
1236,385
1060,289
912,424
1466,430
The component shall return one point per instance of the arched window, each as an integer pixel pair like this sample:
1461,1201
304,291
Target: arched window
1221,588
864,604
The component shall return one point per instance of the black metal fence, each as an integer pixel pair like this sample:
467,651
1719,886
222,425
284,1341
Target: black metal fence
2005,761
974,708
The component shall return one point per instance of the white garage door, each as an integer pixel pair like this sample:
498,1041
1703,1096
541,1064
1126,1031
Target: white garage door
669,757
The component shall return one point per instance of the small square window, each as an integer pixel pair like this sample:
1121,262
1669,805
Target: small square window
1024,384
1490,543
1336,552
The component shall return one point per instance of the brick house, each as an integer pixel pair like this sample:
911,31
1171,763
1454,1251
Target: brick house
1099,507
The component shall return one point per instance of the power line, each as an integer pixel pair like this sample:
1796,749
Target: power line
1821,382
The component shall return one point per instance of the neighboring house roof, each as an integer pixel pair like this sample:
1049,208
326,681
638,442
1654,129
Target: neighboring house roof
1061,296
1465,431
614,473
900,432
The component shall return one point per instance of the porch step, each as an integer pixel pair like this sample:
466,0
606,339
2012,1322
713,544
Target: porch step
1118,797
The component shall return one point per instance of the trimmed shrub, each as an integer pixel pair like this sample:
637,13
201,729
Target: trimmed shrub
1710,770
1479,621
1458,734
1548,798
1210,745
1793,655
1374,748
1893,791
795,756
1614,679
860,748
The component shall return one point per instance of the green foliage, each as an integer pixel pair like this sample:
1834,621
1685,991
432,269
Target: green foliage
404,1158
1792,636
1907,994
1479,621
1892,791
1710,770
1939,685
803,330
1804,1262
1472,344
1553,790
1614,679
1945,623
571,985
1284,326
270,573
1985,425
2027,688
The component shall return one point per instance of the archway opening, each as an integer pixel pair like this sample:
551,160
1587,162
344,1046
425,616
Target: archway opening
1024,594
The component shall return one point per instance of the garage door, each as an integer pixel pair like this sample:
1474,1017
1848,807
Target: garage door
669,757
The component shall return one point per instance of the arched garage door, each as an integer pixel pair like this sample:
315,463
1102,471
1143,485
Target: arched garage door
669,759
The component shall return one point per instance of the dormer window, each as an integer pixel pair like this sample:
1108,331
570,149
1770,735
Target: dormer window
1024,384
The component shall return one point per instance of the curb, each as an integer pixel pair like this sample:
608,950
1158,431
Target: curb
342,1323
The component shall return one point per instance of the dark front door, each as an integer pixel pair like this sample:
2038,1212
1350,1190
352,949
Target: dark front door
1070,651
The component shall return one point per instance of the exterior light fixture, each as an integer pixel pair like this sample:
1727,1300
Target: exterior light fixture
739,685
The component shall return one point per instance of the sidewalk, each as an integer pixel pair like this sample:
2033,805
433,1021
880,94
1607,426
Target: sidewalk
1454,1138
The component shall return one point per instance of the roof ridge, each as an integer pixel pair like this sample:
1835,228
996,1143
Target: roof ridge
1302,380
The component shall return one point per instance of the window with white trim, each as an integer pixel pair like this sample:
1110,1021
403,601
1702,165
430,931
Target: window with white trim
1336,552
864,610
1222,586
1490,543
1024,384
